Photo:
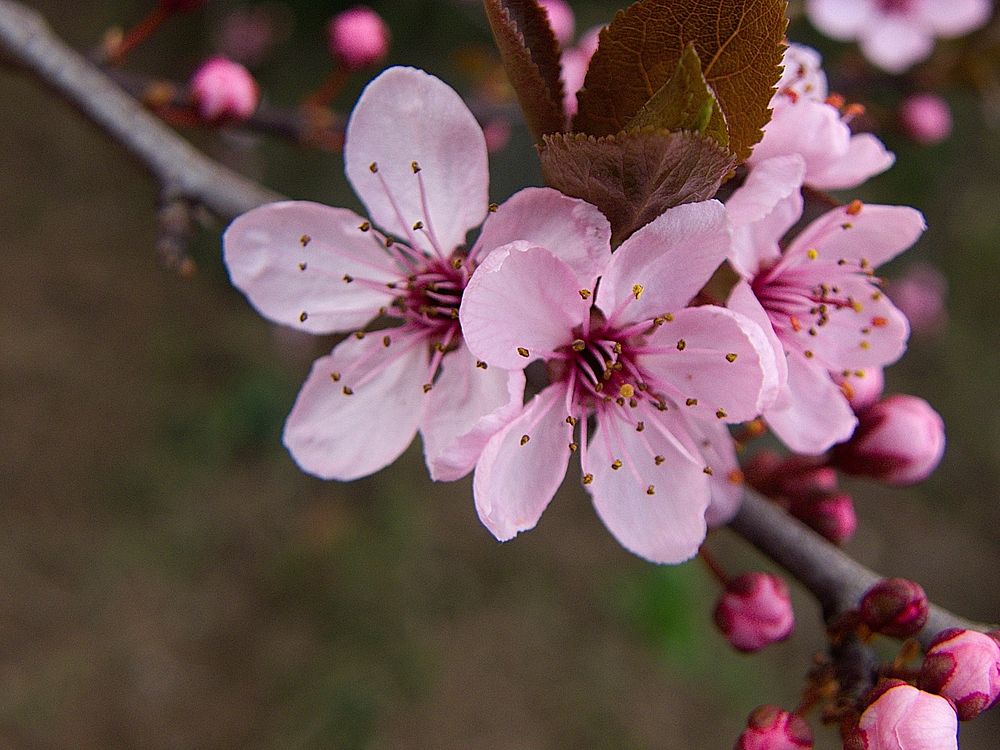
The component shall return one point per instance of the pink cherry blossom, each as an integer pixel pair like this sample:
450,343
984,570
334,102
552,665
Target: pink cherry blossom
818,300
661,379
926,118
896,34
358,38
904,718
418,161
804,122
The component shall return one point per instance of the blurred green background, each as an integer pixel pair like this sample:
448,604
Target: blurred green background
168,579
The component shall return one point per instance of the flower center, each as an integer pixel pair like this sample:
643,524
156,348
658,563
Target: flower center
895,7
432,296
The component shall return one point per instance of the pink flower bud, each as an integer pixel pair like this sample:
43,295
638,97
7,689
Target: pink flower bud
561,19
799,478
899,440
755,611
926,118
358,38
904,718
895,607
831,515
224,90
863,387
771,728
963,666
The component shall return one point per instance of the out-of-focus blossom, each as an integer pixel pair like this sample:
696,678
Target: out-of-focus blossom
561,19
920,293
755,611
248,35
807,122
832,515
358,38
905,718
816,300
224,90
896,607
899,441
896,34
963,666
497,133
575,62
772,728
926,118
662,380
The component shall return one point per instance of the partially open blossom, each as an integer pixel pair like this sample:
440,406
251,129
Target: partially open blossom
831,515
896,34
771,728
417,159
661,379
805,122
963,666
900,440
895,607
358,38
926,118
905,718
920,293
561,19
818,300
755,611
224,90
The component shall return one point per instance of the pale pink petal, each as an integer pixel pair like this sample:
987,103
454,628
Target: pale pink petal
809,128
341,435
744,301
575,62
522,303
726,481
468,405
516,478
571,229
876,234
953,17
802,74
692,359
866,157
812,413
896,43
290,260
666,526
406,116
839,19
670,259
763,209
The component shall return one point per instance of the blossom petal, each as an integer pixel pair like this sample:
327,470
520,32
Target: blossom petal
341,434
954,18
406,116
516,478
571,229
763,209
809,128
895,44
467,406
666,526
293,257
743,301
717,363
839,19
521,303
812,413
666,263
866,157
876,234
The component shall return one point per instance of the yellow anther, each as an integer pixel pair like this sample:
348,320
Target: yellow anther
651,490
573,447
359,335
481,365
691,402
808,354
571,421
720,413
373,167
415,167
428,387
681,345
523,352
585,293
856,306
627,390
616,464
525,439
348,391
812,253
348,278
386,340
303,317
708,470
364,226
731,357
637,290
303,266
588,478
418,226
866,344
389,242
854,207
493,208
579,345
305,239
640,426
335,377
659,460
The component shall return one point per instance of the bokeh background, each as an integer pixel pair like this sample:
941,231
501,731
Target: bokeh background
169,579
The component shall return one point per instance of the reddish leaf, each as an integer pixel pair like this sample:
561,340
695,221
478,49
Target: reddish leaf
530,55
739,43
635,176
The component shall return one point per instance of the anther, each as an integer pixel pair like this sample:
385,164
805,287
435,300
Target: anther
389,242
571,421
588,478
493,208
481,365
305,239
865,344
854,207
731,357
651,490
579,345
880,322
640,426
415,167
691,402
573,447
525,439
585,293
659,460
364,226
637,290
303,266
418,226
348,278
523,352
681,345
373,167
359,335
633,403
627,390
616,464
386,340
348,391
335,377
720,413
617,348
303,317
808,354
813,253
456,262
427,387
708,470
735,476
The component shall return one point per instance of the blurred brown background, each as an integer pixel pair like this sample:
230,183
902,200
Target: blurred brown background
168,579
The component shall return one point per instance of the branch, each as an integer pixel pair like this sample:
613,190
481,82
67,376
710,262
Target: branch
835,579
182,171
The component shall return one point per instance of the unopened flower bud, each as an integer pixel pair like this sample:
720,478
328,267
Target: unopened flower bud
899,440
963,666
561,19
358,38
926,118
895,607
799,479
904,718
862,387
755,611
771,728
224,90
831,515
